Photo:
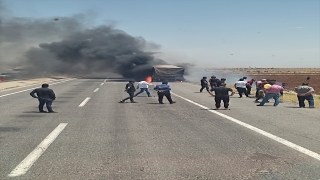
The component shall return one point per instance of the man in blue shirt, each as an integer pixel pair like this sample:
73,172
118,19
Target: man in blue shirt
164,90
204,84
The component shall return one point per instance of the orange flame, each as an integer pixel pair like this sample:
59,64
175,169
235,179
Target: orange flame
149,79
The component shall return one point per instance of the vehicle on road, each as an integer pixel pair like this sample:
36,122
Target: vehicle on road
168,73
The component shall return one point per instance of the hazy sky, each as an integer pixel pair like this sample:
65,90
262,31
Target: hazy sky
215,33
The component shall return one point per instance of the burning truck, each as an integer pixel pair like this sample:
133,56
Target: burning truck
169,73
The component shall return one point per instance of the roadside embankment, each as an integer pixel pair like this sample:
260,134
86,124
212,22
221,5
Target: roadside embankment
8,85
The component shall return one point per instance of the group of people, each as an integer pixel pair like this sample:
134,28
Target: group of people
265,90
221,92
212,83
162,90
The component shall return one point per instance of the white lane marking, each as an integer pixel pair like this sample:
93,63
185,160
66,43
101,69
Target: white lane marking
84,102
105,80
101,84
32,88
96,90
26,164
262,132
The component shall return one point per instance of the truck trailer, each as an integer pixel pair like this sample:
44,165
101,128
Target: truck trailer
169,73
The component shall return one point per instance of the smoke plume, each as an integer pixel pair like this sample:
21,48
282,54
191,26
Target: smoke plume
71,45
99,49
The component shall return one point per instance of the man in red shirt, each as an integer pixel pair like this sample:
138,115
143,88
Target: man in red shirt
249,85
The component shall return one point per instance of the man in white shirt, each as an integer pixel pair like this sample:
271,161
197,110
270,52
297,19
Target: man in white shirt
144,86
241,87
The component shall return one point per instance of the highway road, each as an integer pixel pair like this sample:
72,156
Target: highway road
94,137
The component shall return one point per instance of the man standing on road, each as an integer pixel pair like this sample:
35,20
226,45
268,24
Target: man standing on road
46,96
204,84
222,80
222,93
164,90
249,85
144,86
305,93
272,92
130,89
213,82
241,87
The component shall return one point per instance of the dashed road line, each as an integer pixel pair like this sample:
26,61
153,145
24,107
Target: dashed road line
26,164
84,102
262,132
96,90
101,84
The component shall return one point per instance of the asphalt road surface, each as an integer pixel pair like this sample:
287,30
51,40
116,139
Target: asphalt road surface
94,137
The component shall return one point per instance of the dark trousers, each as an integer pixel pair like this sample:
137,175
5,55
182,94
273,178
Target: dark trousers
131,95
204,86
166,94
309,98
224,98
47,102
241,91
248,90
257,93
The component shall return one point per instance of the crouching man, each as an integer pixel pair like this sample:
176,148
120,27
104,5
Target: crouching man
273,91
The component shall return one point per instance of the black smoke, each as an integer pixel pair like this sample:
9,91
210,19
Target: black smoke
73,45
99,49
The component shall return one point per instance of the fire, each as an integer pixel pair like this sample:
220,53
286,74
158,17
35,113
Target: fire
149,79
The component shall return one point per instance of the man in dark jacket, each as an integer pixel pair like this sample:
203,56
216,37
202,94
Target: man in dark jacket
45,96
220,81
130,89
213,82
222,94
204,84
164,90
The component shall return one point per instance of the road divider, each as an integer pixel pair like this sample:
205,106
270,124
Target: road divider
26,164
257,130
